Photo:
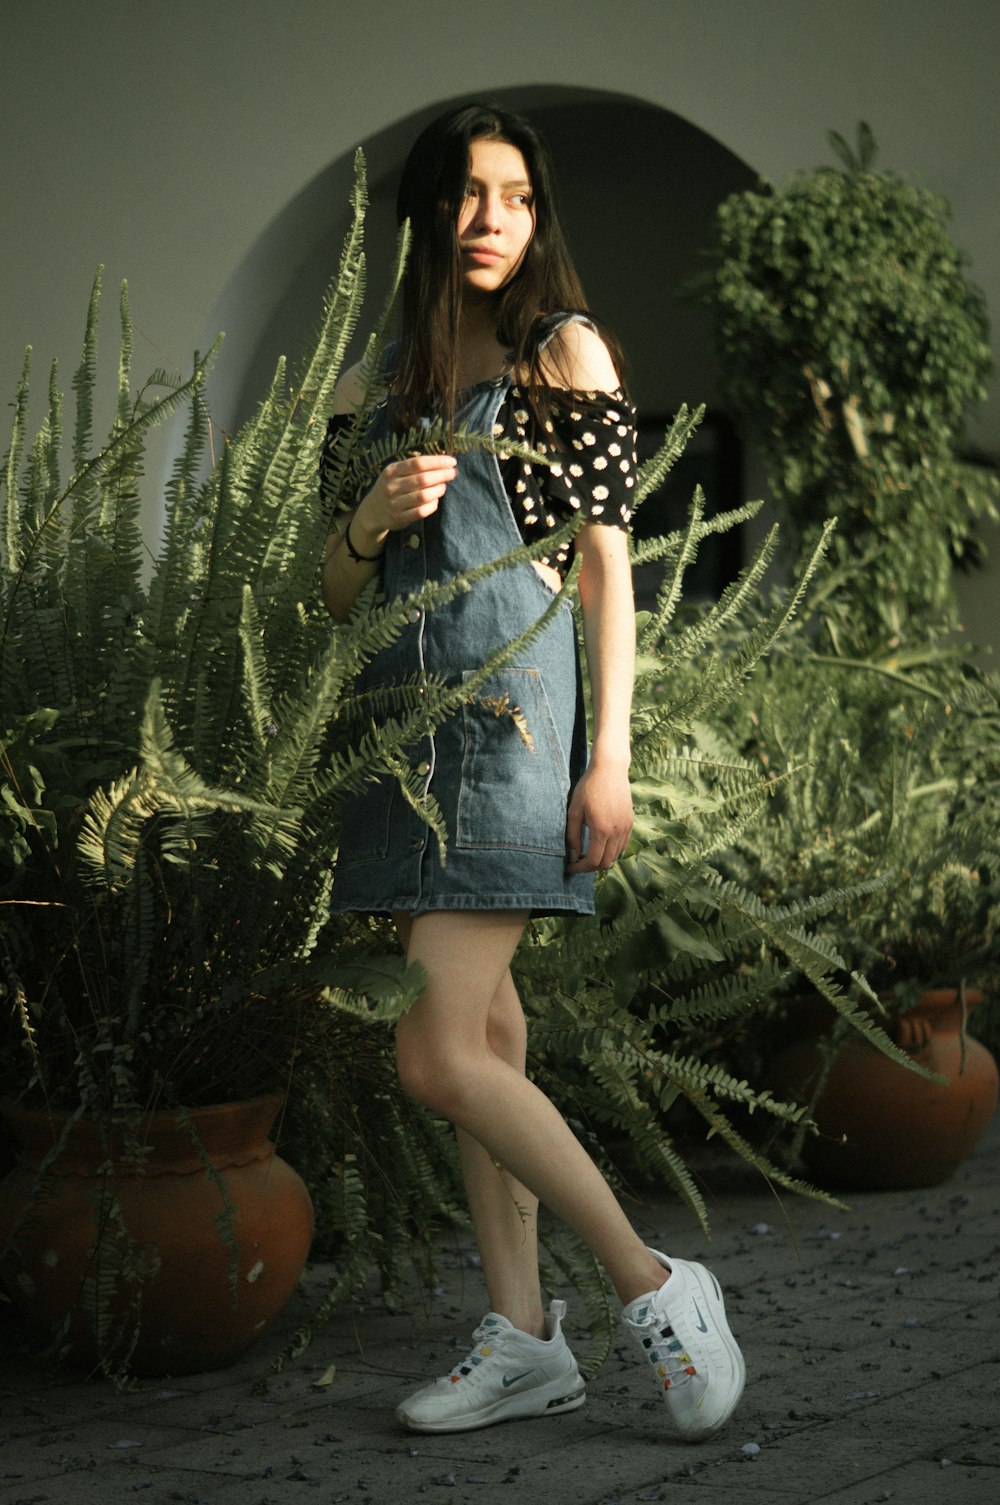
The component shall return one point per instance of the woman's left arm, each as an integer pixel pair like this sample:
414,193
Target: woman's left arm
602,800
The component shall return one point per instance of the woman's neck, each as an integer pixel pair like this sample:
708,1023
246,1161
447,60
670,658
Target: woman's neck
480,354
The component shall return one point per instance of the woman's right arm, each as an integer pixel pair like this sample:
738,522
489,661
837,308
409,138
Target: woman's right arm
406,491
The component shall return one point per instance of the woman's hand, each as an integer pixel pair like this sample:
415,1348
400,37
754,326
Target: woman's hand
406,492
601,802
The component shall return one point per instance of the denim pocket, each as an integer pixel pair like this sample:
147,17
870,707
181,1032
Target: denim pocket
365,822
515,779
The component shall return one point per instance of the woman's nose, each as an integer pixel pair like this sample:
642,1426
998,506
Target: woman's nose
487,216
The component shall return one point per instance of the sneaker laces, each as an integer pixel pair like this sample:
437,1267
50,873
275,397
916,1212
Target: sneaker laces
665,1351
483,1347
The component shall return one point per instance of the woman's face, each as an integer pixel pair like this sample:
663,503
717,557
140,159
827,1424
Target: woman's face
497,219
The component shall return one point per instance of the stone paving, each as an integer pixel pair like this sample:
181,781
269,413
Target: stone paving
872,1339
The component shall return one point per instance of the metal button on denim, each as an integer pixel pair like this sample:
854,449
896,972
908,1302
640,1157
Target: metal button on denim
505,761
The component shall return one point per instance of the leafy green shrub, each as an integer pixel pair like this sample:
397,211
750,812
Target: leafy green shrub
852,341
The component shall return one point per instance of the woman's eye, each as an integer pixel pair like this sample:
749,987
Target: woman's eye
523,200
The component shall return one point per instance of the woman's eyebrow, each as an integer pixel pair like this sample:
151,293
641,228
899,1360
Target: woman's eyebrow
513,183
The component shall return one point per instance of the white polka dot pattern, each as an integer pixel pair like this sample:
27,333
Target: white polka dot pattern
592,428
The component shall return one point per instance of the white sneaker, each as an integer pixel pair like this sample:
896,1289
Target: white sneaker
508,1374
682,1330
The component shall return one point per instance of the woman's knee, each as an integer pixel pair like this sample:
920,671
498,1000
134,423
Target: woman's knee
436,1062
431,1077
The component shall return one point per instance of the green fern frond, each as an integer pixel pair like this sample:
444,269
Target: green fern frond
419,799
735,598
665,549
350,1277
669,595
11,471
654,471
124,359
225,1218
85,377
179,563
342,303
256,689
382,625
774,1174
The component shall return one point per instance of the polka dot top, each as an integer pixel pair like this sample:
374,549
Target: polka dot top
592,438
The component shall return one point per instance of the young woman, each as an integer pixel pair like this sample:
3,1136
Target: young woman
495,336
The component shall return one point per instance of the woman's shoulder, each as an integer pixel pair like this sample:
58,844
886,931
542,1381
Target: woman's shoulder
352,387
349,391
574,354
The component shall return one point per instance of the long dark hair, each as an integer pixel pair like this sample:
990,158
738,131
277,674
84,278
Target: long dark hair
431,193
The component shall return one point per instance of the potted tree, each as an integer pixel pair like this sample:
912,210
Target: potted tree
845,287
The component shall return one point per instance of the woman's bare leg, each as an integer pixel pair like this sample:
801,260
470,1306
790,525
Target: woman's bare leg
446,1061
504,1213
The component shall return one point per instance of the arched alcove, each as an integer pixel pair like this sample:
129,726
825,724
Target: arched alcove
637,185
637,189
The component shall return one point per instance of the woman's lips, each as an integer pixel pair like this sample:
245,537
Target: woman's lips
481,254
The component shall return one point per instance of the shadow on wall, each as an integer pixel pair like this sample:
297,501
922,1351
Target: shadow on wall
637,189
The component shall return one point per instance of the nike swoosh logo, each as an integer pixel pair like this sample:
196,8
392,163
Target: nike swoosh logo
512,1379
701,1324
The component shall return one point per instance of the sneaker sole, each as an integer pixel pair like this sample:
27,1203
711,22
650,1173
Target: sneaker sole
547,1400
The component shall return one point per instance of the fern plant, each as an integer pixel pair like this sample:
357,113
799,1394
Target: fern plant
162,745
172,758
173,754
898,783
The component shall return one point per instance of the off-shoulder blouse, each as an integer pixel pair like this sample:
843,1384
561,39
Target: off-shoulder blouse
592,437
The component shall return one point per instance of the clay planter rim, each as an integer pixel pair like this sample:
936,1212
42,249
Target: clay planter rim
813,1010
222,1129
945,998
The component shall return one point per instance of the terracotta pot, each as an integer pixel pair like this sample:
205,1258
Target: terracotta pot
881,1125
178,1297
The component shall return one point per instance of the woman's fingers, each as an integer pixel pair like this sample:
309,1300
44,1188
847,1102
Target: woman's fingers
601,806
604,846
418,473
415,464
411,489
602,852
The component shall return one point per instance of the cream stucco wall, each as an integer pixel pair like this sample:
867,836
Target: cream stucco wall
164,138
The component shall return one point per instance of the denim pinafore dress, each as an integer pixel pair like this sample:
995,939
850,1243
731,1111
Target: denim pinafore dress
504,797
